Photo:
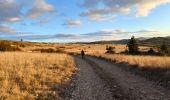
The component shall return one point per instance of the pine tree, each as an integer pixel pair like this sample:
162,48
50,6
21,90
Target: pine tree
133,46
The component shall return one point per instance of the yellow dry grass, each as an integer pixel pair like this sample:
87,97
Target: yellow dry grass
100,49
141,61
33,75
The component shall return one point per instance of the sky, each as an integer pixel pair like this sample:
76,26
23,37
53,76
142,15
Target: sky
83,20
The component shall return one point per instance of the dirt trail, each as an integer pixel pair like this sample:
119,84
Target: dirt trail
98,79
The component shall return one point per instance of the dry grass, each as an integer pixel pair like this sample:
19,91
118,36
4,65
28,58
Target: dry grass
33,75
98,48
76,48
141,61
93,48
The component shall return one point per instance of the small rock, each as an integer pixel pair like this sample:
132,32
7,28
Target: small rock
114,86
131,88
143,92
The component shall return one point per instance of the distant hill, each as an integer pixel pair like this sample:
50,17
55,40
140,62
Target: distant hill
156,41
124,41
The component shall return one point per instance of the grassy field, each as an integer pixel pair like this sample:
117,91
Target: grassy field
141,61
100,49
29,74
33,75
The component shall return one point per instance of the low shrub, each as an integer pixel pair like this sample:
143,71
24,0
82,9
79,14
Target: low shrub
62,47
49,50
6,46
110,49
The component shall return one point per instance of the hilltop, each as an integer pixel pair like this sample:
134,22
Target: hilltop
156,41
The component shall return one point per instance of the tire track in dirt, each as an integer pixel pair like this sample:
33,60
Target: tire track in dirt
115,89
86,84
133,86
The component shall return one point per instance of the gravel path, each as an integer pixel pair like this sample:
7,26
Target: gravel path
86,85
98,79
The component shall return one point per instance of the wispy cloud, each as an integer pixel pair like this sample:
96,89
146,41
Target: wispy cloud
42,21
6,29
143,7
72,22
39,7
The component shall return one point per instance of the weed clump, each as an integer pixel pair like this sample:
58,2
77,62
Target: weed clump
110,49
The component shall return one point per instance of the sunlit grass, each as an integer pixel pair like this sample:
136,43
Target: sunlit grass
33,75
141,61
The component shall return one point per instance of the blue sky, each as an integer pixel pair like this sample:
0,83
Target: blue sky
83,20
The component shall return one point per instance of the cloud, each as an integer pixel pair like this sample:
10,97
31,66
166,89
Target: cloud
147,31
97,17
35,37
104,34
42,21
144,8
150,33
6,29
17,10
112,7
39,8
72,22
117,34
67,35
9,11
